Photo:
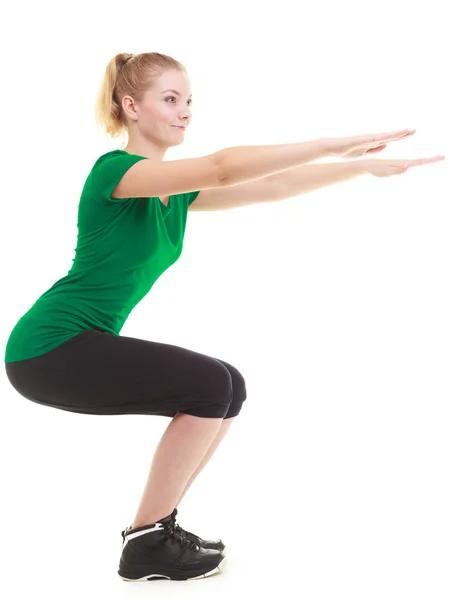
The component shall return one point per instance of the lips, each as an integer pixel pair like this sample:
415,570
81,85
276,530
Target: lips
179,126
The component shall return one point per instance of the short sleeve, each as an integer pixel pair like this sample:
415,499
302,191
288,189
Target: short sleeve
109,170
192,196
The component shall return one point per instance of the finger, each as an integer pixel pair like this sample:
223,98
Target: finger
402,136
392,135
425,161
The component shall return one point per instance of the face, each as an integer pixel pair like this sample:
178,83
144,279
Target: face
160,110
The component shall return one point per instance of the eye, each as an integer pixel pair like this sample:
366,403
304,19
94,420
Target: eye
190,100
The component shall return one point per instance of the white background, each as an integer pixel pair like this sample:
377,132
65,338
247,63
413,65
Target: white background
334,305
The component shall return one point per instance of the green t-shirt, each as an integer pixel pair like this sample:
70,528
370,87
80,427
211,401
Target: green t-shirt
123,246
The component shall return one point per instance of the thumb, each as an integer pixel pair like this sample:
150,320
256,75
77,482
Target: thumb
377,149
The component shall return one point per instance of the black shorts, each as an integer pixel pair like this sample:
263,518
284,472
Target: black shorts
99,373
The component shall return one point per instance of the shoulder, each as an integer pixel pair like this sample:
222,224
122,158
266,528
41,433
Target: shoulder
109,155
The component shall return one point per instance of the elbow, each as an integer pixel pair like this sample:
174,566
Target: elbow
220,168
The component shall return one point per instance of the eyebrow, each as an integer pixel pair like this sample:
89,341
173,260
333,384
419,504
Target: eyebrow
175,92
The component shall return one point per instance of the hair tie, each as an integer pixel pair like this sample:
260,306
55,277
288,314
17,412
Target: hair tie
125,62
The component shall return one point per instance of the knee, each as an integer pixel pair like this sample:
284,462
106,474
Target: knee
239,393
214,392
218,384
224,389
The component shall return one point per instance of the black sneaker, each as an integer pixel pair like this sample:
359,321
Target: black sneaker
157,551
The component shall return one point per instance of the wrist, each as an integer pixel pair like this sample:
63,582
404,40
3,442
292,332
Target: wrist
364,165
325,146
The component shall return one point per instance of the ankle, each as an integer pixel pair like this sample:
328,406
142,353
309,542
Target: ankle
147,521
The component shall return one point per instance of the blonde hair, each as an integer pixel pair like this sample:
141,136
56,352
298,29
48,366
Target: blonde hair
128,75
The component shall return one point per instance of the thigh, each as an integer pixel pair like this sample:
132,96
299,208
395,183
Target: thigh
100,373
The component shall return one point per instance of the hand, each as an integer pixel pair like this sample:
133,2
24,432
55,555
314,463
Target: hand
384,167
361,145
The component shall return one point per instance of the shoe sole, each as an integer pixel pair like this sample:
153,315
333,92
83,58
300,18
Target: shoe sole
177,576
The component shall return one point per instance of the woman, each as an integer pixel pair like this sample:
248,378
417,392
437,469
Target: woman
66,351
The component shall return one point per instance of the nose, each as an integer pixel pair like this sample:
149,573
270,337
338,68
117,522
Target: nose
186,118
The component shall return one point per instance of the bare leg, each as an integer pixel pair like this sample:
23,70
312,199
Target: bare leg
179,452
211,450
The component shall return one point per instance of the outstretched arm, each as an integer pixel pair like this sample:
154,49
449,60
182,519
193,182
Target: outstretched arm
308,178
279,186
